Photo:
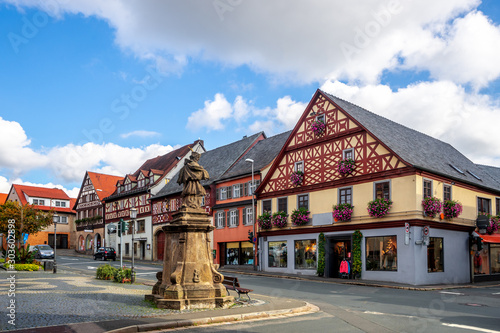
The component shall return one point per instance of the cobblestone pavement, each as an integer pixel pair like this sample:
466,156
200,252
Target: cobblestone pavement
46,299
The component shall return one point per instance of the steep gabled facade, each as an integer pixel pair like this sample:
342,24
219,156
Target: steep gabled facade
391,162
89,207
135,190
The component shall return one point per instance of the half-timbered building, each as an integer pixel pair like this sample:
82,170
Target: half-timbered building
135,191
89,207
392,163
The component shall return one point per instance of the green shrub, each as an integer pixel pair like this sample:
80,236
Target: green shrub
123,275
23,267
106,272
357,237
321,255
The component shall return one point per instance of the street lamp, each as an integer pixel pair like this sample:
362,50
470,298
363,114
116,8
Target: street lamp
133,216
249,160
55,219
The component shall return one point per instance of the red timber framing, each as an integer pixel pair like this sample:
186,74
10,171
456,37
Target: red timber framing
120,208
321,154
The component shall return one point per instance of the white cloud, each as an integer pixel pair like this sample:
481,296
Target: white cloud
442,109
140,133
211,115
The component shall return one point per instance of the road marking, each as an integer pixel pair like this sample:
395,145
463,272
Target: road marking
145,273
496,294
91,267
451,293
473,328
66,258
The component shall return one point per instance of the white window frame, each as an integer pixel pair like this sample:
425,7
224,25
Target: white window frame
321,116
345,151
249,216
297,164
233,218
236,191
220,220
223,193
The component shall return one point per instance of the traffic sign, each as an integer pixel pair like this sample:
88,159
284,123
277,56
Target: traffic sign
407,227
426,230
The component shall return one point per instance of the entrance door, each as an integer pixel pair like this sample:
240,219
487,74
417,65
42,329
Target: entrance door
143,249
160,245
339,251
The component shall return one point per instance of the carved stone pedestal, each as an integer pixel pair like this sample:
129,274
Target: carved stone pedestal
189,279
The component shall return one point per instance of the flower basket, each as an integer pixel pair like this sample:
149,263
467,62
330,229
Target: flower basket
346,167
432,206
300,217
279,219
264,221
297,177
379,207
493,227
342,212
452,209
318,127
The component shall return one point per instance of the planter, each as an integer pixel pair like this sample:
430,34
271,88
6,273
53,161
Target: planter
264,221
300,217
379,207
432,206
297,178
318,127
279,219
451,209
342,212
346,167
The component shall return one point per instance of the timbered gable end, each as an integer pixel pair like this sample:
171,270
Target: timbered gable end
318,154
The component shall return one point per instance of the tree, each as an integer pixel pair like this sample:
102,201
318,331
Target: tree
27,220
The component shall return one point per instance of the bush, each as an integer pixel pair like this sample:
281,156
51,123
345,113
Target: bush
106,272
23,267
357,238
321,255
123,275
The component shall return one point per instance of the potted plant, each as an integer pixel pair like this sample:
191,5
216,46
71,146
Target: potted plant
342,212
264,221
279,219
297,177
379,207
318,127
493,227
432,206
320,270
346,166
452,209
357,238
300,216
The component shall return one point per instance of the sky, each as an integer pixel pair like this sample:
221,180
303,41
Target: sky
105,85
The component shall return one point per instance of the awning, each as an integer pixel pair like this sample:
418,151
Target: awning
495,238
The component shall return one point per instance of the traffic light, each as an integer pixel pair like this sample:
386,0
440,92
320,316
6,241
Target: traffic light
250,236
125,226
119,228
479,243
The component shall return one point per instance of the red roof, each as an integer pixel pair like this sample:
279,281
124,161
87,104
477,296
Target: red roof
44,193
3,198
104,185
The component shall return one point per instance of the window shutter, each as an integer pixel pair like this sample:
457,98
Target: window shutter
241,190
246,189
217,195
226,217
237,217
229,192
245,222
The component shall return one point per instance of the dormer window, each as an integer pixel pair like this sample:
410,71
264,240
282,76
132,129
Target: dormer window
457,169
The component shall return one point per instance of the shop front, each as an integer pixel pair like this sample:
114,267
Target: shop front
236,253
486,257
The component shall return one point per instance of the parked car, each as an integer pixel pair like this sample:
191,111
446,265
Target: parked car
42,251
104,253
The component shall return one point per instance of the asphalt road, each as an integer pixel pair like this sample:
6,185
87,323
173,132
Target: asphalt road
348,308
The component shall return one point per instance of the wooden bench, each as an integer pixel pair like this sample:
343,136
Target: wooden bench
231,283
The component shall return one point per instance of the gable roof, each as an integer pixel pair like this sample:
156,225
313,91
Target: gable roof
42,192
104,185
263,153
417,149
3,198
216,162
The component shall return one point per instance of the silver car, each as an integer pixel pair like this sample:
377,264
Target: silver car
42,252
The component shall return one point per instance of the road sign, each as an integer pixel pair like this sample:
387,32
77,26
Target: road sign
407,227
426,230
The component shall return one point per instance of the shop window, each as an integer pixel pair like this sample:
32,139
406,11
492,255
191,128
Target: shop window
277,255
232,253
435,255
266,206
381,253
283,205
382,190
246,253
495,258
427,188
345,195
483,206
446,192
305,254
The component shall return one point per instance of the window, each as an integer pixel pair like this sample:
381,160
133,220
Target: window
266,206
320,117
305,254
173,205
427,188
127,248
435,255
345,195
495,258
381,253
233,218
223,193
299,166
483,206
446,192
232,253
277,254
141,226
58,203
497,204
248,216
249,189
220,220
303,201
63,219
237,191
348,154
283,205
382,190
35,201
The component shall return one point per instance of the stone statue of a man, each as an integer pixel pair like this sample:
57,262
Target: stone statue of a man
190,176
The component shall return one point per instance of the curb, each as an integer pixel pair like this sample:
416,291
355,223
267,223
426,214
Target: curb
308,308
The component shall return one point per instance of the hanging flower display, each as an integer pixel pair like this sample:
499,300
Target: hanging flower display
297,177
452,209
318,127
264,221
300,216
279,219
432,206
493,227
379,207
346,167
342,212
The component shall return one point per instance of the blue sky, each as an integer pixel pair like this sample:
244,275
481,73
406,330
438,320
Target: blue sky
103,86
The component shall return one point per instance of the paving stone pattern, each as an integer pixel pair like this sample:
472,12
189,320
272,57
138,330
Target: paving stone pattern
46,299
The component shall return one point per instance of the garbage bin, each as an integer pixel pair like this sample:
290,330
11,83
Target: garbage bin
48,265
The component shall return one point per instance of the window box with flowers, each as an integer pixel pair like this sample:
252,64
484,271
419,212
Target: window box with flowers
493,227
342,212
300,216
451,209
432,206
318,127
346,166
297,177
264,221
279,219
379,207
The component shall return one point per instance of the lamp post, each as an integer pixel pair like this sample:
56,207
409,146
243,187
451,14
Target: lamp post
133,216
55,219
249,160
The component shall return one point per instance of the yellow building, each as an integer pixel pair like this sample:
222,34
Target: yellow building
339,153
